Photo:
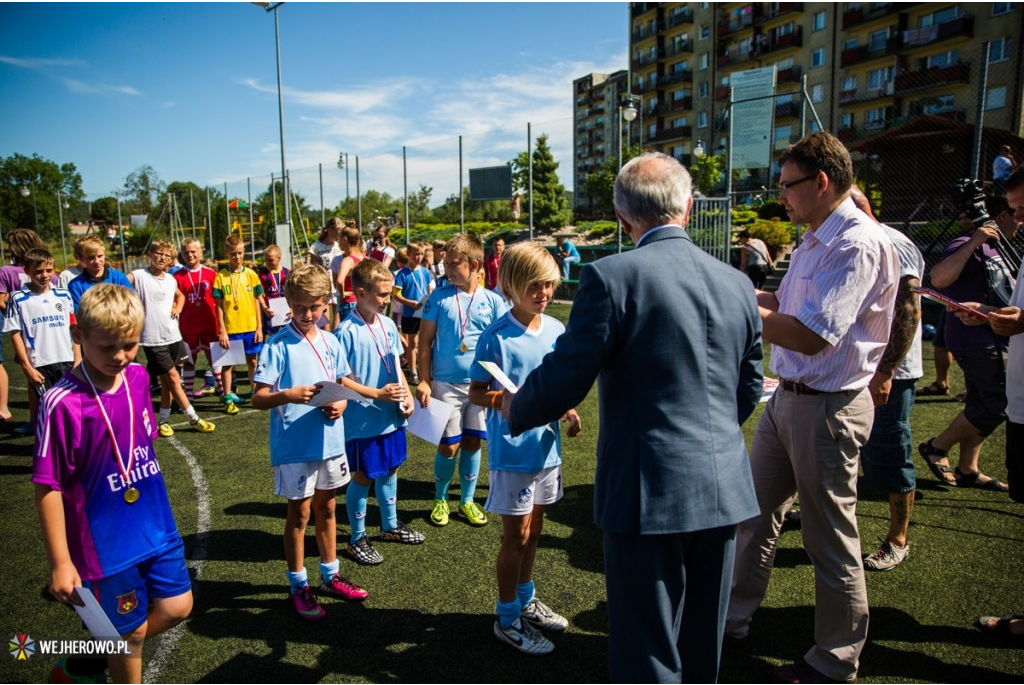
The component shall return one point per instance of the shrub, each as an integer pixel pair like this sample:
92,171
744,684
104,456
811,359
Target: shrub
597,229
743,217
775,234
771,209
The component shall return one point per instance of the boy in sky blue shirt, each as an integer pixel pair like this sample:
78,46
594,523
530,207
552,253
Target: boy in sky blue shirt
453,319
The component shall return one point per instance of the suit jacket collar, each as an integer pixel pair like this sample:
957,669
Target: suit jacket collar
667,232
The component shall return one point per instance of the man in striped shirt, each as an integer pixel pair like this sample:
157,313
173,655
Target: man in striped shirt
828,324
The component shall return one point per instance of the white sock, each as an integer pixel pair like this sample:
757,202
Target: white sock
165,414
191,414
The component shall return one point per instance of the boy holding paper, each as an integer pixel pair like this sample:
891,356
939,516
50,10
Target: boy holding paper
307,444
198,319
103,509
239,297
453,319
376,432
272,278
525,471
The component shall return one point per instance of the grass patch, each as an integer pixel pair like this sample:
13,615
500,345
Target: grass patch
429,614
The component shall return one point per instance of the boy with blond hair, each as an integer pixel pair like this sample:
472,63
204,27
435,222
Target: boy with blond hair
525,471
376,433
161,338
92,260
307,444
453,319
411,286
240,300
39,318
272,278
198,318
105,518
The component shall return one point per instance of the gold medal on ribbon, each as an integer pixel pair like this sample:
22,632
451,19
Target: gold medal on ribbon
131,495
463,347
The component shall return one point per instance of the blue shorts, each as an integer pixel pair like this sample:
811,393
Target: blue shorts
887,457
125,596
377,456
249,341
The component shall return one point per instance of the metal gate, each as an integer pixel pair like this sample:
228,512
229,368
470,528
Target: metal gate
710,226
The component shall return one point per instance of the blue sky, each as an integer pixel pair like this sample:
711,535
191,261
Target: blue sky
191,90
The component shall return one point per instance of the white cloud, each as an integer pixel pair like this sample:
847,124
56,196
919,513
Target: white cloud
76,86
39,63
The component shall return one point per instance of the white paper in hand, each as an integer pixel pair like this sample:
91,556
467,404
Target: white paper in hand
335,392
233,356
499,375
280,307
94,618
428,423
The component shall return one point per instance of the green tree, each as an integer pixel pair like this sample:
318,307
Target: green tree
419,203
600,184
263,206
550,208
190,200
707,172
142,191
42,178
104,210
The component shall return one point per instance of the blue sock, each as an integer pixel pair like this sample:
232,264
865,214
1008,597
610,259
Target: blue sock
355,504
444,469
469,469
526,592
297,580
508,613
387,500
327,571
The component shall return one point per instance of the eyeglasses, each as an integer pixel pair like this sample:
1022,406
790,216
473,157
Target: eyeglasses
163,256
789,184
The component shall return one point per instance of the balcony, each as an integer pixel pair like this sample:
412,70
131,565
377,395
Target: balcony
639,8
863,53
936,76
740,22
794,39
848,97
783,8
680,17
683,47
721,92
790,75
961,27
647,58
733,57
869,12
786,109
645,32
674,133
683,76
681,104
647,86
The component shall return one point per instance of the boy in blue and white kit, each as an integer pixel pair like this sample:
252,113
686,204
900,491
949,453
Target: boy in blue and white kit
453,319
376,445
307,443
412,284
525,471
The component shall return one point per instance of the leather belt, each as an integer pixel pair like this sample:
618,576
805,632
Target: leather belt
799,388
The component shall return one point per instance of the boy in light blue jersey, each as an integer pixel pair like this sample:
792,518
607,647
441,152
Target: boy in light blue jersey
411,286
453,319
376,432
525,471
307,443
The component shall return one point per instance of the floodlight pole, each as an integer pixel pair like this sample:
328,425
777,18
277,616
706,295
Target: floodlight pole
273,7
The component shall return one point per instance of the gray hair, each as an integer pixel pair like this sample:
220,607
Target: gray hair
652,188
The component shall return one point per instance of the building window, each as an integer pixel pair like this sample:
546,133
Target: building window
652,131
879,78
818,92
875,118
877,40
704,61
940,17
725,81
702,90
849,83
679,122
783,134
850,44
995,98
819,20
845,121
1000,50
784,63
705,5
784,30
653,52
640,82
702,119
814,126
818,57
939,105
705,32
1002,8
678,151
943,59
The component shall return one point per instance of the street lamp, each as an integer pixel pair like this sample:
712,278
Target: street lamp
62,204
273,7
627,114
698,151
343,164
25,192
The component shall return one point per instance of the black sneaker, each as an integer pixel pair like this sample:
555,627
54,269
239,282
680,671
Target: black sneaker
403,534
362,552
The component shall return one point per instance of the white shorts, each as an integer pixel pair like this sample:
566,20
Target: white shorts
299,480
515,494
467,419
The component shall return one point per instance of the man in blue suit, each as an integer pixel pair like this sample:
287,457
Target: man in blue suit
674,338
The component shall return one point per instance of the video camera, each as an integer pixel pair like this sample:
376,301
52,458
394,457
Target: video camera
969,195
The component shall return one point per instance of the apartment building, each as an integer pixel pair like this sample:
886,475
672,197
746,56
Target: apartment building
868,67
597,98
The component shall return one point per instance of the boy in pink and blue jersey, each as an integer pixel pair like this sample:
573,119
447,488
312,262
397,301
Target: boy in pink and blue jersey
106,520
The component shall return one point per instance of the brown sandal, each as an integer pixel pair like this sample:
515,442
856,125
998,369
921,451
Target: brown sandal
970,480
935,388
928,450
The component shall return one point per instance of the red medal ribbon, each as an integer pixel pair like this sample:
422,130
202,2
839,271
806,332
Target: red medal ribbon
125,470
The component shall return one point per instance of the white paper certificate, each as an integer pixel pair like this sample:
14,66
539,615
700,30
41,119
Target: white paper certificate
499,375
280,307
233,356
94,618
335,392
428,423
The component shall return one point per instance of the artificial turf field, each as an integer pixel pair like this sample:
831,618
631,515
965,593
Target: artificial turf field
429,614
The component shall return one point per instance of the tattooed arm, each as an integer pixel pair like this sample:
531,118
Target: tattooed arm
906,315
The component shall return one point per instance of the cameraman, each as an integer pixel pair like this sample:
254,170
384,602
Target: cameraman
971,269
